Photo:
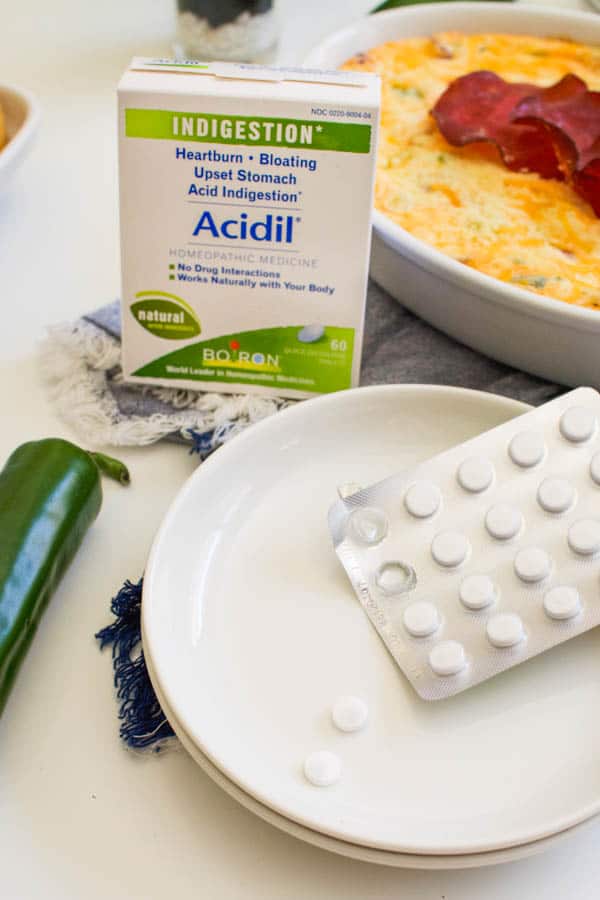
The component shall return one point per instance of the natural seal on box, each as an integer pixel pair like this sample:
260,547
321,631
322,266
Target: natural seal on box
246,196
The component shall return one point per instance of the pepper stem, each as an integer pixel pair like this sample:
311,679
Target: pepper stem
113,468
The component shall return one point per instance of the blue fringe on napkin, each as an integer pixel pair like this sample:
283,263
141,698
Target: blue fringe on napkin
143,723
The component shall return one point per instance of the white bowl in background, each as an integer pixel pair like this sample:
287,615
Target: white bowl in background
540,335
21,115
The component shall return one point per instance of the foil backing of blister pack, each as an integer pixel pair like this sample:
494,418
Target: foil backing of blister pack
568,462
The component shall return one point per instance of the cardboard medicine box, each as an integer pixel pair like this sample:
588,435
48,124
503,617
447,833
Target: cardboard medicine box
245,206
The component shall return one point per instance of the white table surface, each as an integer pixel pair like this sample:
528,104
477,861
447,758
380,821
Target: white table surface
79,816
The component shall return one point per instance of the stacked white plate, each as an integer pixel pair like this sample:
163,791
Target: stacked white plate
252,631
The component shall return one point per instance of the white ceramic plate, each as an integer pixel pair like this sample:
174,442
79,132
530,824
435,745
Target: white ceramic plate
253,631
534,333
21,115
355,851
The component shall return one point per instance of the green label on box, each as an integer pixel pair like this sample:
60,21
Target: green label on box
165,315
164,124
310,358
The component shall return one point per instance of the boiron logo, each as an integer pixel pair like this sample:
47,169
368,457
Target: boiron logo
270,228
235,358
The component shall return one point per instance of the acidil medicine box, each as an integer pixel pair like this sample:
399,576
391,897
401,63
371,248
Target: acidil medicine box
246,196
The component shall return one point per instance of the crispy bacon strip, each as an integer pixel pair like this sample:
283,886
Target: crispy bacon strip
479,107
572,119
554,131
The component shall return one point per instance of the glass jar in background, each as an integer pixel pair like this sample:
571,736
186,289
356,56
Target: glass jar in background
233,30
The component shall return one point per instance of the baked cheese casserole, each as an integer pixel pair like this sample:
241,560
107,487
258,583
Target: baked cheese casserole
516,226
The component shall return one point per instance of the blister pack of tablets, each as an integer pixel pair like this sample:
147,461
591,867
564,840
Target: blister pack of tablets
485,555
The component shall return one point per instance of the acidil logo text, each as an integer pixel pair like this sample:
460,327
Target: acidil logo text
270,228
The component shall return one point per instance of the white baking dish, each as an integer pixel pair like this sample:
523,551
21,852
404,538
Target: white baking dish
540,335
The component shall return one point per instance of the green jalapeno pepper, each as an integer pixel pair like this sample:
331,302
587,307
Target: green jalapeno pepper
50,493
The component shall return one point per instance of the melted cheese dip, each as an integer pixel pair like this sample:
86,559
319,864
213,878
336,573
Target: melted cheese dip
532,232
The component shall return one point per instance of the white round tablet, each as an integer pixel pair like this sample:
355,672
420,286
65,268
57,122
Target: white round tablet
562,602
503,521
505,630
527,449
322,768
477,591
349,714
595,467
311,333
368,525
447,658
450,548
532,564
395,577
584,537
421,618
578,424
423,499
556,495
475,474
